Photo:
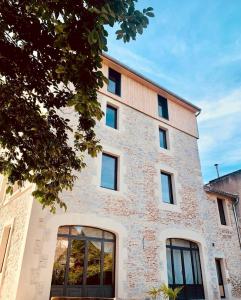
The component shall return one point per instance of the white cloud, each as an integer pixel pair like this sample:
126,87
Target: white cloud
138,62
220,108
220,134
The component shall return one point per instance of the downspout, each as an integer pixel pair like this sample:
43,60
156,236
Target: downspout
235,203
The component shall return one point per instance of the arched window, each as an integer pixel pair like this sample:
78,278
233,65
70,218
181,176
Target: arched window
184,268
84,262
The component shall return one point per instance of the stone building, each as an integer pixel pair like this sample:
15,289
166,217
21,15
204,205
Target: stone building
230,183
138,215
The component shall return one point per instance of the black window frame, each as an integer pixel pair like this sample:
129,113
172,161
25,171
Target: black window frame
115,109
165,144
115,188
163,111
114,76
170,187
220,276
103,239
221,210
192,248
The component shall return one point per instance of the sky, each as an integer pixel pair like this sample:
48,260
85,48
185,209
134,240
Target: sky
193,48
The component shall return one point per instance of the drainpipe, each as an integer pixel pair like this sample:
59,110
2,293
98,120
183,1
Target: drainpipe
236,218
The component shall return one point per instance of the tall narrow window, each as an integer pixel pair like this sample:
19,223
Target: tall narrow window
166,184
221,212
220,277
4,245
163,138
163,107
114,85
109,171
111,116
184,268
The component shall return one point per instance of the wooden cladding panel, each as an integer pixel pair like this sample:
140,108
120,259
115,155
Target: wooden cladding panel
144,99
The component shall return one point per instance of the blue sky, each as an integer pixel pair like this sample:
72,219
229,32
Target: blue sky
193,48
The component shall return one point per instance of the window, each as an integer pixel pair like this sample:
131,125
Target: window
84,263
114,85
166,184
111,116
184,268
109,171
220,277
163,138
163,107
221,212
4,245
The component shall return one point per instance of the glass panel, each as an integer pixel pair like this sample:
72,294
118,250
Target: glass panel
197,267
168,242
177,266
112,86
163,138
94,263
92,232
108,172
162,107
188,267
109,235
111,116
76,230
60,261
63,230
180,243
221,212
166,188
76,262
108,262
169,266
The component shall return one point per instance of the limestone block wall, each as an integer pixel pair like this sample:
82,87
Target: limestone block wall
223,243
14,211
135,213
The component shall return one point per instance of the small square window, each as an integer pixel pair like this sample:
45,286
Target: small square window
221,211
163,138
163,107
114,84
167,190
109,171
111,116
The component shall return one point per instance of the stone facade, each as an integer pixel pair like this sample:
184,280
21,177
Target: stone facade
135,213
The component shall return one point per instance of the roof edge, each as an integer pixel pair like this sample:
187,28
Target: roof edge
209,189
223,176
198,109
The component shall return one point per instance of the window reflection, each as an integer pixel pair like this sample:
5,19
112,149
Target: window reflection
84,257
60,261
94,261
184,268
108,262
76,262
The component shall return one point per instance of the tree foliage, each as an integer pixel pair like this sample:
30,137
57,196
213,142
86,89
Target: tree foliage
50,59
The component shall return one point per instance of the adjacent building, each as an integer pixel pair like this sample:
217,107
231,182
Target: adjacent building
138,215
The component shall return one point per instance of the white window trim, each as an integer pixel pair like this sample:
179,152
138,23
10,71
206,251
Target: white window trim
117,107
120,170
226,213
5,257
176,201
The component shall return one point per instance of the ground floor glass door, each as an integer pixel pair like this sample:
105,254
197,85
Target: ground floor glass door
84,263
184,268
